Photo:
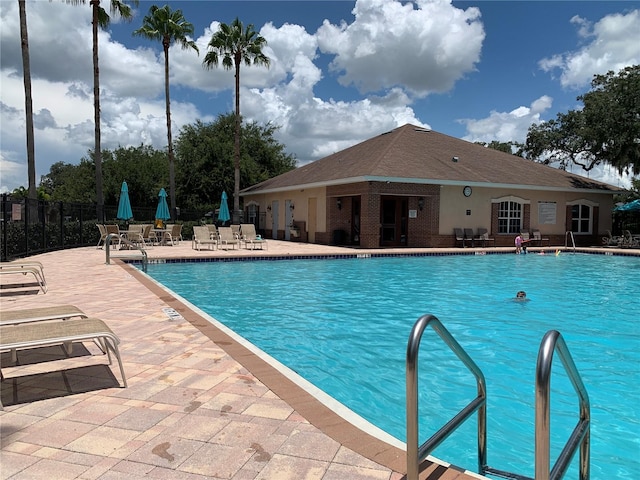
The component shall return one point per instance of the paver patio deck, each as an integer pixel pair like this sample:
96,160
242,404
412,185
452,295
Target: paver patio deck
199,404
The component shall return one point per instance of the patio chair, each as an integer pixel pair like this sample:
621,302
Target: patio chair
227,237
134,234
468,235
213,231
115,230
202,237
103,235
628,241
537,237
250,237
459,236
149,237
173,235
483,236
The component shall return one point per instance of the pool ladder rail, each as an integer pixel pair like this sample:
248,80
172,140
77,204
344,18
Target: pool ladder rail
132,246
569,236
551,342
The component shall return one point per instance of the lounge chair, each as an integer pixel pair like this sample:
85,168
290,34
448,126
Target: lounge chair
43,334
628,240
227,237
23,268
459,236
537,237
202,237
103,235
611,241
40,314
250,237
483,236
468,235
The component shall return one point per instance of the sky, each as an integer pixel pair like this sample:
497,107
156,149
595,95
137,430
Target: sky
340,72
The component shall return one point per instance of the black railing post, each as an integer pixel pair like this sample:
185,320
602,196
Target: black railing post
5,227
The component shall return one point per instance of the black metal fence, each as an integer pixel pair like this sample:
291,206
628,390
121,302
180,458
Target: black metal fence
33,227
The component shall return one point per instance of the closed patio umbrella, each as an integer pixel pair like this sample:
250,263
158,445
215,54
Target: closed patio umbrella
224,215
124,206
162,212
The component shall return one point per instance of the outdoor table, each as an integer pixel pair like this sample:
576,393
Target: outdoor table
160,237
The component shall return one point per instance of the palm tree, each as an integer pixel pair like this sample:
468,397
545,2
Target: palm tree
28,102
236,45
167,26
101,19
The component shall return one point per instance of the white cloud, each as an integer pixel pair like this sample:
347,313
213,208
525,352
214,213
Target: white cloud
507,126
612,43
424,49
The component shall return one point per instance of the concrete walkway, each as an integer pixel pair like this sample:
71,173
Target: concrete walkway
199,404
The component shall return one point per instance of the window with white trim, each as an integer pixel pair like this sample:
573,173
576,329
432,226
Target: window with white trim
510,217
581,218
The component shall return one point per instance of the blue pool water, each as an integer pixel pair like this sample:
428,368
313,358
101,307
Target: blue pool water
344,324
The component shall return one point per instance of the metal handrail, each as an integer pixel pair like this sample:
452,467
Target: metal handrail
573,240
122,240
416,454
580,436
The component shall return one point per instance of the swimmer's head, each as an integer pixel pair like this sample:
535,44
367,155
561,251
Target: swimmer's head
521,294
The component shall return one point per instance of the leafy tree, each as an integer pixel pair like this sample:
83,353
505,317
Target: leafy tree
167,26
606,130
507,147
204,153
144,168
101,19
71,183
236,45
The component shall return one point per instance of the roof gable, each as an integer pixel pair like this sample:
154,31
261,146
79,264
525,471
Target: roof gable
416,155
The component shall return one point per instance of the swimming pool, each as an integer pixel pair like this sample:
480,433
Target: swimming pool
344,324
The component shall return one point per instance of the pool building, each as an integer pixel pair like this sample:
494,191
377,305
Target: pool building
411,187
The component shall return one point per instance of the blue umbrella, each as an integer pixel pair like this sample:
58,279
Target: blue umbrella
629,207
162,212
124,206
224,215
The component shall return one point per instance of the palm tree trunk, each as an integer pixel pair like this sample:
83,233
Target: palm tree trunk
236,149
172,170
95,4
28,106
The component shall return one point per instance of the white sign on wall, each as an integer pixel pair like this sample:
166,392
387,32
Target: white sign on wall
547,213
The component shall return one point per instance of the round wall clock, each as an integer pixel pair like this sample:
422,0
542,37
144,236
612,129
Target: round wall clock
466,191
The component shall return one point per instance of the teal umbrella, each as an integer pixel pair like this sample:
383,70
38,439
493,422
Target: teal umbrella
629,207
162,212
223,215
124,206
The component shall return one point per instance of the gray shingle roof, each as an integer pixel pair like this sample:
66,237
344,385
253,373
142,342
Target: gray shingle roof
415,155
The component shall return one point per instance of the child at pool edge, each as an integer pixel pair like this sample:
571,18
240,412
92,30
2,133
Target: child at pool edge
518,242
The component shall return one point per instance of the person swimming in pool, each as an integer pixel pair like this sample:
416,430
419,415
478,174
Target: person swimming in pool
521,296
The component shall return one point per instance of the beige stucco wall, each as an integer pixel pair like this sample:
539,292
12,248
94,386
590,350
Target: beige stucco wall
300,200
454,207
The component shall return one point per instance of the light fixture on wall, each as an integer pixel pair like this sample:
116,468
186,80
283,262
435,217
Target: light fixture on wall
421,203
268,208
291,206
339,203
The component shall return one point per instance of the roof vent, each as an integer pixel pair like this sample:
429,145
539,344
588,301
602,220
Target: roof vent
454,159
422,129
